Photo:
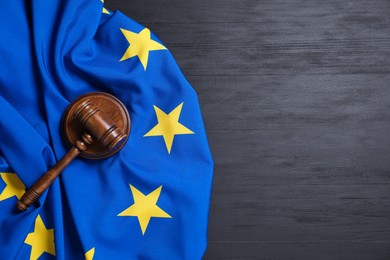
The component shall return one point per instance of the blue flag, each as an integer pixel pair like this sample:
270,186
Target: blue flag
150,200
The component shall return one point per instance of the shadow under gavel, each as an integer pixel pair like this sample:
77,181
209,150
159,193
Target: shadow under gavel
97,126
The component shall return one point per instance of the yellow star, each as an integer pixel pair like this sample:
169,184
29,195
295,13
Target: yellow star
89,255
168,126
105,11
145,207
14,186
140,45
41,240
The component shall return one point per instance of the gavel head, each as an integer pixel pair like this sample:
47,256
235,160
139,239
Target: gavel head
102,116
99,125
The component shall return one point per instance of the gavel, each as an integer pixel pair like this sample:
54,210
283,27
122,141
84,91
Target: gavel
97,126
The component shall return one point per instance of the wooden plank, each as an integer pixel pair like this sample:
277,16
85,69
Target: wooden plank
300,213
295,97
345,250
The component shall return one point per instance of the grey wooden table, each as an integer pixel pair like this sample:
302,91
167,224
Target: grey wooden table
296,100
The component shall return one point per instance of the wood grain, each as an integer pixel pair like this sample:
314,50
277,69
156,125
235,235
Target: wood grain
296,101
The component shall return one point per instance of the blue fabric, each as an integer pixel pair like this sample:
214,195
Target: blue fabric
51,53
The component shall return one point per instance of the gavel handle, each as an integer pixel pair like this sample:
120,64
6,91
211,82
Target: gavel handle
37,189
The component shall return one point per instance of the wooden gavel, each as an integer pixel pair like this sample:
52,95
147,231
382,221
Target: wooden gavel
102,130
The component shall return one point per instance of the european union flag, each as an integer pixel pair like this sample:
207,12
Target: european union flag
150,200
